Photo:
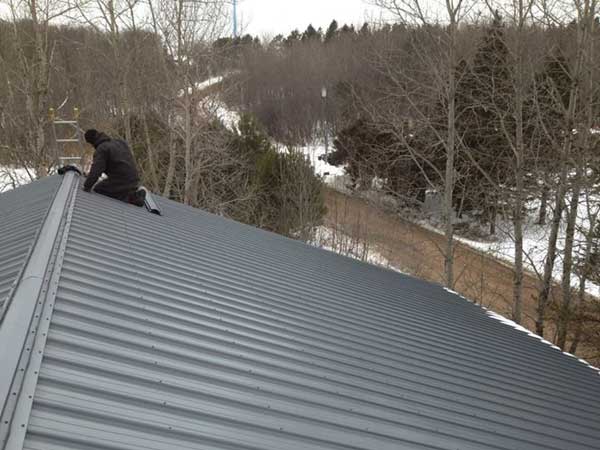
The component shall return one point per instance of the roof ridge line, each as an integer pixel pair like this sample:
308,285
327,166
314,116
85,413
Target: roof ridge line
24,311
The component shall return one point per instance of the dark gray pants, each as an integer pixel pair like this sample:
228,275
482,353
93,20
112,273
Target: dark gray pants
120,192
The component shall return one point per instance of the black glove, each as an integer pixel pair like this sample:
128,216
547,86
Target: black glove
69,168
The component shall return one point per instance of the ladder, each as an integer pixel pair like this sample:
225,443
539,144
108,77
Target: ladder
66,132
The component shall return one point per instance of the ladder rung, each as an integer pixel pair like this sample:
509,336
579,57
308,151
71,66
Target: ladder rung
69,158
67,140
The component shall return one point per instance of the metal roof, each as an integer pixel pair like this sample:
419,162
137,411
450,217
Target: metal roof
22,213
191,331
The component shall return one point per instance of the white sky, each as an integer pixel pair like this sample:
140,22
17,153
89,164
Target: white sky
272,17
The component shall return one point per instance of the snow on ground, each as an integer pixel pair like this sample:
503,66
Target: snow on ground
316,155
202,85
209,82
213,106
535,246
343,244
11,177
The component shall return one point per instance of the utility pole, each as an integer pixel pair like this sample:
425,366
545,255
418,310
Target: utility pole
235,28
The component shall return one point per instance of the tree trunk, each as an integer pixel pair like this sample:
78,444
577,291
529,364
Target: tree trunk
544,292
588,95
450,154
544,204
569,121
493,215
579,94
565,310
187,191
153,176
518,230
519,176
585,272
172,161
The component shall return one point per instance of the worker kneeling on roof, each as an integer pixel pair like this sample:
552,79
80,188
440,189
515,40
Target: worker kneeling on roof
114,158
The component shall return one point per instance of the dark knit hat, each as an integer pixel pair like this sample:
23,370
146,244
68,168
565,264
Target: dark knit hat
91,136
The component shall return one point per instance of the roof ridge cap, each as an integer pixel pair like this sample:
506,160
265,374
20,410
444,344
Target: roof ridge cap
23,312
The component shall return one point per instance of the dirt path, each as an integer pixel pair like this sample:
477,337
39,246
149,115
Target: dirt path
417,251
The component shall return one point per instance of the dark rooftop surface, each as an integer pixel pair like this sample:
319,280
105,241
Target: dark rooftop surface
190,331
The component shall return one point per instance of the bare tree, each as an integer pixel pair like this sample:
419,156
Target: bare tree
114,18
27,79
509,106
186,26
442,64
575,123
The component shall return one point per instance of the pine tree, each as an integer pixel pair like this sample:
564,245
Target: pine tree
484,102
292,38
347,30
311,34
552,88
332,31
287,195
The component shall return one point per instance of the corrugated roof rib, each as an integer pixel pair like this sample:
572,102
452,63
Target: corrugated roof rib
189,331
22,213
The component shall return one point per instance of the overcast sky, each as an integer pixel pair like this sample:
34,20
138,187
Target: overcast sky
272,17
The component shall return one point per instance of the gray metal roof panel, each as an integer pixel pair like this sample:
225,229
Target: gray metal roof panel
22,212
193,331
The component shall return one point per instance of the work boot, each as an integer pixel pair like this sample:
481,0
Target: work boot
137,198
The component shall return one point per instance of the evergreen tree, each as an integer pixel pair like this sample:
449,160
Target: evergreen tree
347,30
287,195
277,42
484,96
332,31
551,100
292,38
311,34
367,153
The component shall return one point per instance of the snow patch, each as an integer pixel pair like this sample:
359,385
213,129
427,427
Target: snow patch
343,244
213,106
457,294
209,82
11,177
316,154
198,87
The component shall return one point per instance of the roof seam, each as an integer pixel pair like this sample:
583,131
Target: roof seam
24,324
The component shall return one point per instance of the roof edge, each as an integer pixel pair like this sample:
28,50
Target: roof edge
23,315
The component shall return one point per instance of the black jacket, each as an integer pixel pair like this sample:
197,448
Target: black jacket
113,157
